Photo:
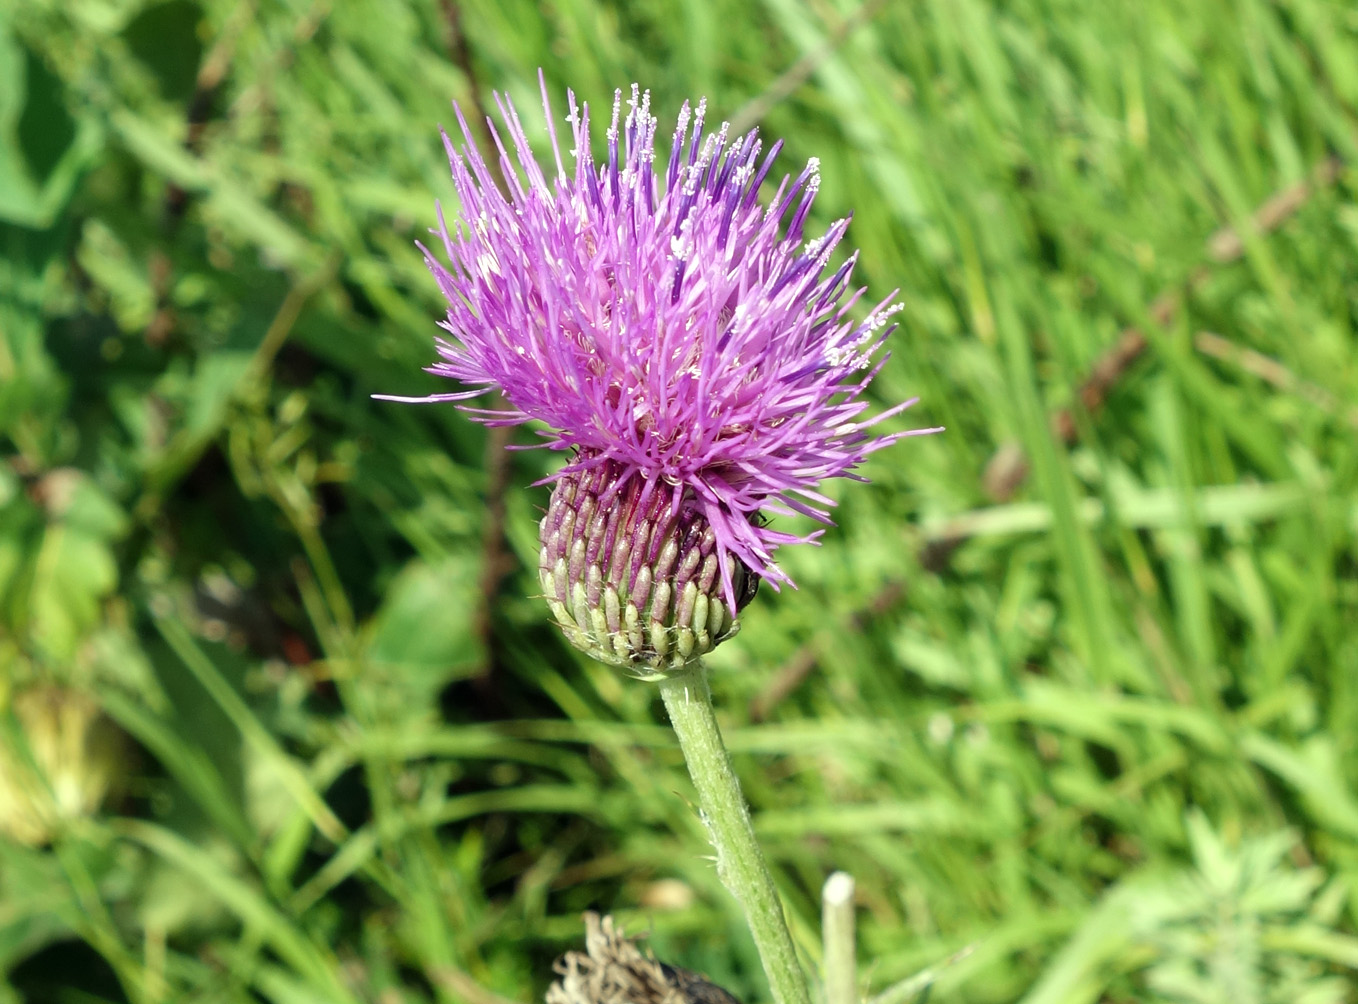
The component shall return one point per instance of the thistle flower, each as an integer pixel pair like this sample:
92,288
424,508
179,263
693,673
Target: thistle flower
691,347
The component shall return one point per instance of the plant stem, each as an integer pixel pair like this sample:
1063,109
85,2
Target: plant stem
740,863
837,934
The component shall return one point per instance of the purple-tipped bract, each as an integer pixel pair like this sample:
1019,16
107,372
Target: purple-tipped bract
662,318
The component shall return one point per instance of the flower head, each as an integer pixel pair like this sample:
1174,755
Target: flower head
690,344
613,970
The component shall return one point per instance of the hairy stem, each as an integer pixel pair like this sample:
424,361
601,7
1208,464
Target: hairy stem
740,863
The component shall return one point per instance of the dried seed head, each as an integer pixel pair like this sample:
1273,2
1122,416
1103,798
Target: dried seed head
612,970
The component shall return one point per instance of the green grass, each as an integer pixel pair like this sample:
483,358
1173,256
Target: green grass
1101,731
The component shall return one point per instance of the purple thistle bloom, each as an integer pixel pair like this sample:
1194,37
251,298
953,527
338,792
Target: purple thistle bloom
688,343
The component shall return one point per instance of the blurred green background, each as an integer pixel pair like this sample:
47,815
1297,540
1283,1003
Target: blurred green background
1073,685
